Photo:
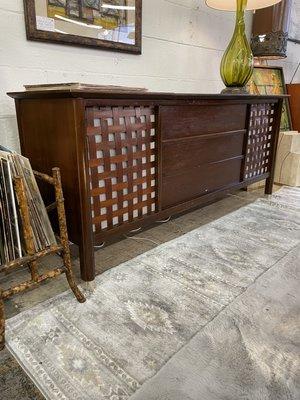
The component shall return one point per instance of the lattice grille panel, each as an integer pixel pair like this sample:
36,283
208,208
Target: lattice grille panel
260,136
122,164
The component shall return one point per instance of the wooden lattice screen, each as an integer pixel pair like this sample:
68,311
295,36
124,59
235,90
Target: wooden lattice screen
122,159
260,136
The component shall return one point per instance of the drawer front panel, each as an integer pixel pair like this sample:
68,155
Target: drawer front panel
122,164
182,154
195,182
184,121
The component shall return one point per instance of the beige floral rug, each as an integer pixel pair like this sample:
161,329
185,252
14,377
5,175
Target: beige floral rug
142,312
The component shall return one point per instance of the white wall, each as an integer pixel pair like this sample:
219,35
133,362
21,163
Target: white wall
183,41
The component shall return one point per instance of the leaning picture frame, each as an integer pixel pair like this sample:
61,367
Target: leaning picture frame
114,25
270,80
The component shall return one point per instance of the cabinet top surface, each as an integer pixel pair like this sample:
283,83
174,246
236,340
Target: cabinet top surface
93,94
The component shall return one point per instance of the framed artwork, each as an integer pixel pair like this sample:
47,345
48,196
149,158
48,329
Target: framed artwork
107,24
270,80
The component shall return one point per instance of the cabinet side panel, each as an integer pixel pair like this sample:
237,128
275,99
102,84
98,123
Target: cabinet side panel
294,92
260,138
47,136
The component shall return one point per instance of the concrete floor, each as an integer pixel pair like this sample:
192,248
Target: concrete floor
106,258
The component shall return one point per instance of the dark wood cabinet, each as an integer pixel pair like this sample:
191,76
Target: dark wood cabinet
128,159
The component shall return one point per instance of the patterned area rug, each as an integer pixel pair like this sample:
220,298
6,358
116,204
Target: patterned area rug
250,351
142,312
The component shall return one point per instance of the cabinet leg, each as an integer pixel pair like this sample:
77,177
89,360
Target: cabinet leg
87,261
2,323
269,186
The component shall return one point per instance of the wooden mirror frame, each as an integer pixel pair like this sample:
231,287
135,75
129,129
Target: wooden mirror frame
55,37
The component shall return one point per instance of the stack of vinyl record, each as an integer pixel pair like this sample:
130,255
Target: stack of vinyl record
12,244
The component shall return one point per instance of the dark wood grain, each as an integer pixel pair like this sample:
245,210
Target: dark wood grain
51,135
183,121
48,139
150,154
160,98
193,182
83,231
187,153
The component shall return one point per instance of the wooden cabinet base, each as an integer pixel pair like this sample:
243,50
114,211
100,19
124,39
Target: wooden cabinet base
129,159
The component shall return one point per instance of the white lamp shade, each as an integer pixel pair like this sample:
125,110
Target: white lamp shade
230,5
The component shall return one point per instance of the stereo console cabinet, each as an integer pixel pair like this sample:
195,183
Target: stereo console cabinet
129,159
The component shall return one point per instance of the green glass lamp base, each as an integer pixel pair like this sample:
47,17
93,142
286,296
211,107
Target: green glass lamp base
235,90
237,62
